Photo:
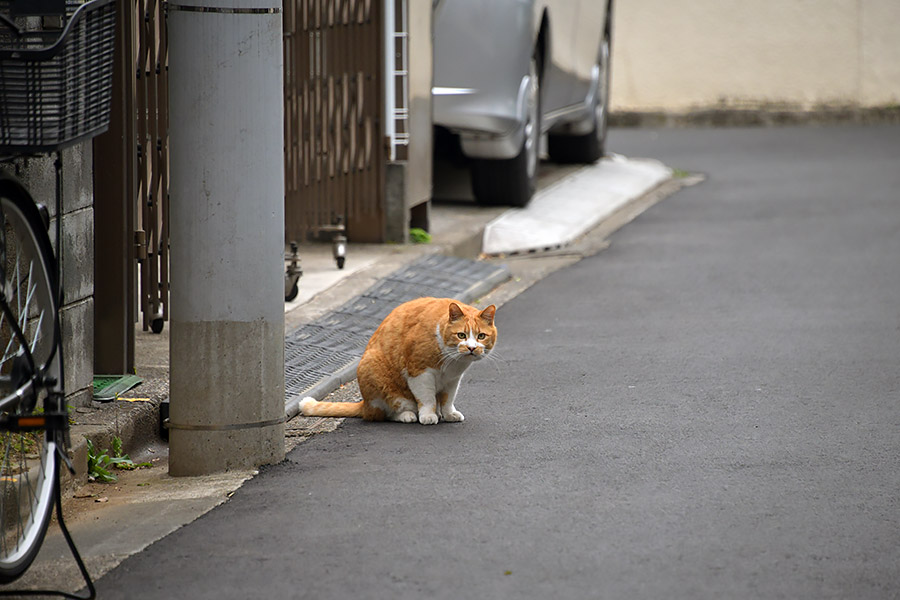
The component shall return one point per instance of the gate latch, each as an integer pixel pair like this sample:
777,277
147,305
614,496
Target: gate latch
140,244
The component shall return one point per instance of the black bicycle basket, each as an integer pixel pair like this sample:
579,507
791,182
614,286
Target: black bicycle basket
55,75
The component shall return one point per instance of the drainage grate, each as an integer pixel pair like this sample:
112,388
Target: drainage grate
314,353
108,387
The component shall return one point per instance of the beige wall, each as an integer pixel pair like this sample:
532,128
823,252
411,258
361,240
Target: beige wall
678,55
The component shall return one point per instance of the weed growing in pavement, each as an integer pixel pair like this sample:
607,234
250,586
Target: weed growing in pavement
101,463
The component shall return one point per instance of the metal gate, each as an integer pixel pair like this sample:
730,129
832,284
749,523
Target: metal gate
131,190
333,91
151,101
334,152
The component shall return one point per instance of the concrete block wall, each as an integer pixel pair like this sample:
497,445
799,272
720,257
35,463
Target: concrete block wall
684,55
77,259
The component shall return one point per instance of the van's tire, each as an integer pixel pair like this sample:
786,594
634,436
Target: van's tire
589,147
513,182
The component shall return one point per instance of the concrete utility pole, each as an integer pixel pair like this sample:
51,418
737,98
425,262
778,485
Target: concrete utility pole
227,234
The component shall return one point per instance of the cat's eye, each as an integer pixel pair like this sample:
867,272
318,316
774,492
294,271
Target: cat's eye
461,335
481,336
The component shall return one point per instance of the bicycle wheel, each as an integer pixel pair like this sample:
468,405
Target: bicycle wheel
29,335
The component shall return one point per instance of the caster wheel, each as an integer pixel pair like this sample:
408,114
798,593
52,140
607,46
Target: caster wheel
156,325
340,262
292,294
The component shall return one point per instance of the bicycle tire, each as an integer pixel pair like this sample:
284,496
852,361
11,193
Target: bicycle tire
28,460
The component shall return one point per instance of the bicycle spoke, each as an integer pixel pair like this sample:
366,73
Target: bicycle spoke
5,473
18,303
20,475
23,481
30,289
7,356
37,332
29,294
18,288
26,474
13,474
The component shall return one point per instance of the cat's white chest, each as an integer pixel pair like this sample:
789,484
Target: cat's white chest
452,371
449,375
434,381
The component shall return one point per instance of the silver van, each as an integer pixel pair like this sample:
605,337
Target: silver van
506,71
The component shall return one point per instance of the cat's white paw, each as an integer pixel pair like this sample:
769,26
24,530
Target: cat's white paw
428,419
454,417
407,416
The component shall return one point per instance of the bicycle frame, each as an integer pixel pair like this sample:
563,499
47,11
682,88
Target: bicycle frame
55,91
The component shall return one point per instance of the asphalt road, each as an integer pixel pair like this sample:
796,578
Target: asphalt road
707,409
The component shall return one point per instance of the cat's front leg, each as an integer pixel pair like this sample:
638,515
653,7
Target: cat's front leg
451,415
445,404
423,388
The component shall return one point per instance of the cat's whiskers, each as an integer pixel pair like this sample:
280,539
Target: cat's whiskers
494,359
448,356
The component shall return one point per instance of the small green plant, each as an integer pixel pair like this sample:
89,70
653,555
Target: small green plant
419,236
680,173
101,463
97,465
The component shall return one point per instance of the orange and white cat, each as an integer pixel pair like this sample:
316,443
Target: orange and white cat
412,366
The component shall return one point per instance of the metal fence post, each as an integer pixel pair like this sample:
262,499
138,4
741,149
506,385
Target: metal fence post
114,298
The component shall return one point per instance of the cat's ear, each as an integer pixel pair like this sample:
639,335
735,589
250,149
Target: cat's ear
455,312
488,314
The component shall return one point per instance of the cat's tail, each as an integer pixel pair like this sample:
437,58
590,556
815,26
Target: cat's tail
310,407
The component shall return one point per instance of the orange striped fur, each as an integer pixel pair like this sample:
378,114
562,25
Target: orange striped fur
411,368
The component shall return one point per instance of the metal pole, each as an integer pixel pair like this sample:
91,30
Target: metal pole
227,231
114,269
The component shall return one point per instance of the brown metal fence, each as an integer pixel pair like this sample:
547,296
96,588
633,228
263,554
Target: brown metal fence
334,154
131,190
152,147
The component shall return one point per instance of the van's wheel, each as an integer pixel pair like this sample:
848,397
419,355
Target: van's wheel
513,181
589,147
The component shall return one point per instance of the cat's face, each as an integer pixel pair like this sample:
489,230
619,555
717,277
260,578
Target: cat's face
471,334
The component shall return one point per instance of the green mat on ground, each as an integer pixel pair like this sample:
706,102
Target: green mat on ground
107,387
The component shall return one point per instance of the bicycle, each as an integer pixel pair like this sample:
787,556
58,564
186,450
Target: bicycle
55,91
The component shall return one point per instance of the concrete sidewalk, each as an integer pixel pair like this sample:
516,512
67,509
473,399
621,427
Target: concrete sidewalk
112,521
